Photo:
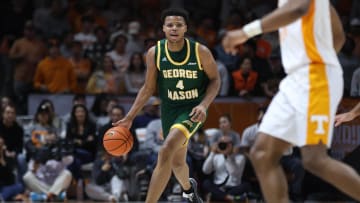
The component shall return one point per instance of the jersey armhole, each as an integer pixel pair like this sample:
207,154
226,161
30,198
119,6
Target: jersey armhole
197,55
157,55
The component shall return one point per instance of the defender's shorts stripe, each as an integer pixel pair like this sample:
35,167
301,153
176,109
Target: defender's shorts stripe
318,115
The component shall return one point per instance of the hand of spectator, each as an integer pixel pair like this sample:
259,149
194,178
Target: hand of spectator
78,141
198,114
44,88
90,138
11,154
215,148
232,39
243,92
344,117
106,166
139,173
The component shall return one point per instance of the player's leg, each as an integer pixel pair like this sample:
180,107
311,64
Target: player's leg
265,156
181,172
316,160
180,168
161,175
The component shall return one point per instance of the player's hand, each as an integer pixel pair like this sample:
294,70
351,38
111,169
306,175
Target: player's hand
198,114
232,39
344,117
126,123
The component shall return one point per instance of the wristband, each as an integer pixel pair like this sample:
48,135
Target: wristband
252,29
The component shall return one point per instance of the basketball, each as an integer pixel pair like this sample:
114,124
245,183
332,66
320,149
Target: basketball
118,141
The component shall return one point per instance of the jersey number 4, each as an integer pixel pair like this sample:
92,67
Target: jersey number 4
180,84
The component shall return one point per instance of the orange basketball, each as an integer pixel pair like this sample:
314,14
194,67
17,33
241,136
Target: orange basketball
118,141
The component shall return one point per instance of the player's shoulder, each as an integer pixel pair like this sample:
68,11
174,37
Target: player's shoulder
202,49
151,50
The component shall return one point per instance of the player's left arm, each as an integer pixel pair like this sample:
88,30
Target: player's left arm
209,65
337,30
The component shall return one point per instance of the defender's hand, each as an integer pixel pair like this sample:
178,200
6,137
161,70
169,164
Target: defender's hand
233,39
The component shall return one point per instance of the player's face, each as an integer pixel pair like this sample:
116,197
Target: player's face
174,28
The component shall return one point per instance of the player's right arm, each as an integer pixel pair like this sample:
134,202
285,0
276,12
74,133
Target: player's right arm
284,15
337,30
348,116
145,92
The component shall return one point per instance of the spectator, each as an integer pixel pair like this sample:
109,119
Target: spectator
206,31
99,106
245,78
348,62
91,10
150,112
227,168
77,99
198,150
135,43
119,55
26,53
47,177
135,74
9,188
225,129
103,80
110,179
4,102
51,22
290,161
86,36
56,120
66,44
224,76
55,74
41,126
260,65
102,120
81,65
355,83
13,137
80,131
97,51
271,85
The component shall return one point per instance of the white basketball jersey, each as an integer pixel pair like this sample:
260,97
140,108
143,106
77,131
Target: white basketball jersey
308,40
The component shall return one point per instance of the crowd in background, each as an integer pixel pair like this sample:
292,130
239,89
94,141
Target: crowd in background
93,46
97,47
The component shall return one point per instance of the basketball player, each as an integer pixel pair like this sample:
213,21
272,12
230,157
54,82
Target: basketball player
302,113
186,76
348,116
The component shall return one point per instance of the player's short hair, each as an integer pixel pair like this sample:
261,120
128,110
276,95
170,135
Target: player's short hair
174,11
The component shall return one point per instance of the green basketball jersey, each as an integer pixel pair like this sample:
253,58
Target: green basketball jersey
181,79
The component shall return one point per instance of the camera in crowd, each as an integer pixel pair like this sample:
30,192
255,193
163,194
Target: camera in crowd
224,143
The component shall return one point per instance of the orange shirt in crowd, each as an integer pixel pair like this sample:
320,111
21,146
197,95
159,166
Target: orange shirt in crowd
263,48
240,83
82,70
56,74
